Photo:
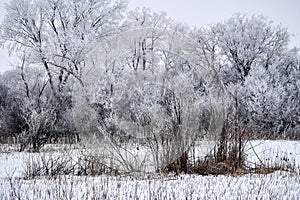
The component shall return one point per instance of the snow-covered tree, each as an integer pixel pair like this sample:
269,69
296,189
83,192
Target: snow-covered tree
58,34
52,40
242,43
272,95
258,69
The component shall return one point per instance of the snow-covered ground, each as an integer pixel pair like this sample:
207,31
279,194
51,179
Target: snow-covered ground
274,152
277,185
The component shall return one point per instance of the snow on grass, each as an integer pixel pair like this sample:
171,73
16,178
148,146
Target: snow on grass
277,185
274,152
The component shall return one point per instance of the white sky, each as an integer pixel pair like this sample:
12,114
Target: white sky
203,12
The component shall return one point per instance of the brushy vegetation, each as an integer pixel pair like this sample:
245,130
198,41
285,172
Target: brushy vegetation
71,171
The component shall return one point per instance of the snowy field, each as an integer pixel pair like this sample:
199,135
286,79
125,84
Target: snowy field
276,185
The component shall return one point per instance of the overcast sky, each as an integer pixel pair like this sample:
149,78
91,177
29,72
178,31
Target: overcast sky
203,12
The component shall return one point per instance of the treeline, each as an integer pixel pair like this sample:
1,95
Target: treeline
54,39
